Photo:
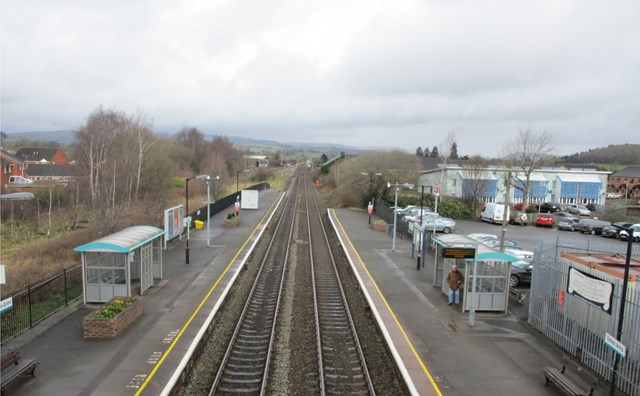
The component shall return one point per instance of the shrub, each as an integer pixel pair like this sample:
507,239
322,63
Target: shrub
114,307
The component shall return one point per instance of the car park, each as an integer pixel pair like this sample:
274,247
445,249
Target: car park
635,233
569,224
578,209
521,272
548,207
518,217
544,220
592,226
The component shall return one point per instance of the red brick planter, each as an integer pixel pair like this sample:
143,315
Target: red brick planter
96,327
379,226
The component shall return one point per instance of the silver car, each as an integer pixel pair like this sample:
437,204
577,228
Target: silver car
431,220
569,224
578,209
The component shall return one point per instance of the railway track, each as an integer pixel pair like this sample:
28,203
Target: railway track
311,347
245,366
343,369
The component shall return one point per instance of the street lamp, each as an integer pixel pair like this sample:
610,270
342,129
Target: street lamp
199,177
623,298
395,208
371,174
238,178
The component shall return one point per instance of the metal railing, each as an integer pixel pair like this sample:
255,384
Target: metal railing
39,301
578,326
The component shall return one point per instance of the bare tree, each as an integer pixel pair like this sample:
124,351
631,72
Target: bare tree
379,167
477,181
526,152
94,144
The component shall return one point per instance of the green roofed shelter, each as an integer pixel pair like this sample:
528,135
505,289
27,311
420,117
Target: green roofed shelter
491,292
116,264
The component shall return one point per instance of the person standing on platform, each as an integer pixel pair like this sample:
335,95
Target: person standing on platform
455,281
419,255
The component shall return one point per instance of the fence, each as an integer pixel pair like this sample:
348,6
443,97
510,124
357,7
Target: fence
43,299
223,203
386,214
578,326
39,301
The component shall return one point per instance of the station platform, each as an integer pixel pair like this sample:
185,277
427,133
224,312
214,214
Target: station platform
439,352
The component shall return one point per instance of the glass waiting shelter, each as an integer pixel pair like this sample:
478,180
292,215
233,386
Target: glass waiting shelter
491,276
114,265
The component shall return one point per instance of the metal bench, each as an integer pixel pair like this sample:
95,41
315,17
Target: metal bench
14,367
567,385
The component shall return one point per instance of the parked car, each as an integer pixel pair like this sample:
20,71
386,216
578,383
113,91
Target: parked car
592,226
518,252
635,233
521,272
495,243
564,214
495,213
610,232
478,236
594,208
431,220
518,206
578,209
548,207
569,224
442,224
544,220
518,217
413,213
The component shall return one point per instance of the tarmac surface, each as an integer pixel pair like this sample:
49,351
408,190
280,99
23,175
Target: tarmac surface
441,353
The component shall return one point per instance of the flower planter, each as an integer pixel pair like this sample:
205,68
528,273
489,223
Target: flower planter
379,226
231,222
94,326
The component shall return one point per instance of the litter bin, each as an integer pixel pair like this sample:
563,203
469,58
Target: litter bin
198,224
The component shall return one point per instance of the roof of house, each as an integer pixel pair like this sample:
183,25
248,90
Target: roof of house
36,153
6,156
629,171
54,170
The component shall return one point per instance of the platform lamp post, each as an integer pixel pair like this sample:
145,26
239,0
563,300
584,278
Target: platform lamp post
623,299
395,208
238,178
199,177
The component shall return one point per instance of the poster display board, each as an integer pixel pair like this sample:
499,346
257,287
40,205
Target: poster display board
173,223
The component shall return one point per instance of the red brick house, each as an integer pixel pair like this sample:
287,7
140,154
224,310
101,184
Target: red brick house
11,166
626,182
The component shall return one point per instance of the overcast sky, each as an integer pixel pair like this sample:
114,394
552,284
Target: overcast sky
370,73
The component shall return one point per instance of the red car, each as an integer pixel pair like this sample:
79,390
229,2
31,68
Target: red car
544,220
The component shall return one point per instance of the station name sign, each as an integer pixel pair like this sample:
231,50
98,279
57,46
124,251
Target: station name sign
458,252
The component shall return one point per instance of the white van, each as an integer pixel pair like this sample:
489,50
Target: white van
494,213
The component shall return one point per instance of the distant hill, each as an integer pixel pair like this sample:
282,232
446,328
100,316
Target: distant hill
622,154
261,146
64,137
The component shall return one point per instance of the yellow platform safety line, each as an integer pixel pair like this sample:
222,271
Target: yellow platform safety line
395,318
204,300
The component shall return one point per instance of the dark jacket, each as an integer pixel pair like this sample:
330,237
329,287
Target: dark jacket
455,279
